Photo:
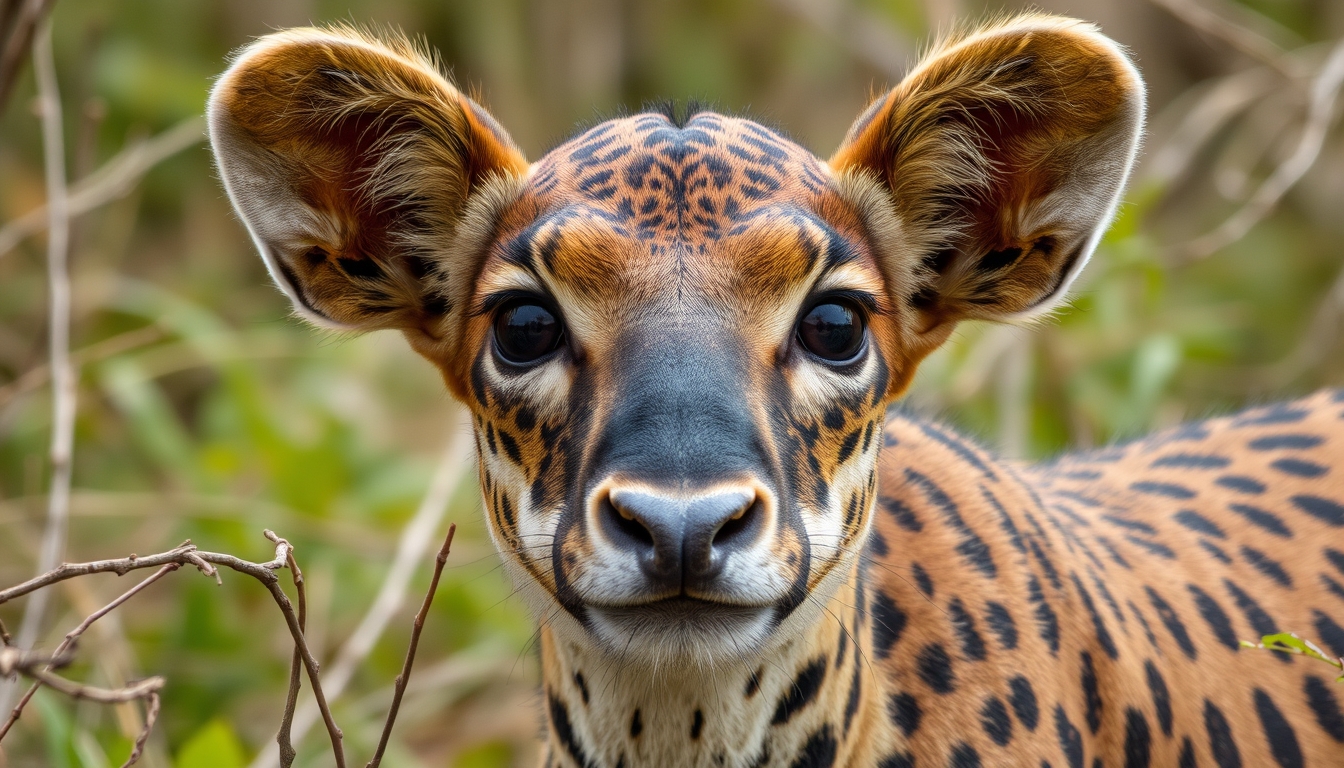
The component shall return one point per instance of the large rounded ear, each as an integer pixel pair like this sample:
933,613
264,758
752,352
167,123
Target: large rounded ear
361,174
1002,156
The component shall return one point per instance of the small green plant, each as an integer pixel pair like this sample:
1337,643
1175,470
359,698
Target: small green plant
1289,642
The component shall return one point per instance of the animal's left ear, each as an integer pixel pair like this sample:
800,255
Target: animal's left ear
1002,156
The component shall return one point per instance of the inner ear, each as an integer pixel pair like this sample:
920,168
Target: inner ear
357,167
1002,155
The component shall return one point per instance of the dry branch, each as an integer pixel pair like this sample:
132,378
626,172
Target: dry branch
19,20
114,180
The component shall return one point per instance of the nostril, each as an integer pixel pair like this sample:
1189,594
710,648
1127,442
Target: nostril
624,523
738,528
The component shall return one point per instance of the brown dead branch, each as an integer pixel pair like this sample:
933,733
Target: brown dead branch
19,20
40,667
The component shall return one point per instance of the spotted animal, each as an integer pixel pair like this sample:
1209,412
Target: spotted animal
679,337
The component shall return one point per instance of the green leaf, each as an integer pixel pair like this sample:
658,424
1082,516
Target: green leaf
213,746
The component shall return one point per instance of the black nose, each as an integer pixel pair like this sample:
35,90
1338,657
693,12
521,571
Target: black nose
681,543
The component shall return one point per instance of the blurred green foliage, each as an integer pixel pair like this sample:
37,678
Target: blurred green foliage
205,412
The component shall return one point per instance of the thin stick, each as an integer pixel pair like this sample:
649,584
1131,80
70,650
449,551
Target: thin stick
73,635
399,687
14,46
151,717
282,738
1246,40
392,594
1324,91
63,381
112,181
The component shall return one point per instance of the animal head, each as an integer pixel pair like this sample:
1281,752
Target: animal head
677,338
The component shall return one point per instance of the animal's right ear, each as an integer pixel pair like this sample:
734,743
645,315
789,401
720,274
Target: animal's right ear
367,181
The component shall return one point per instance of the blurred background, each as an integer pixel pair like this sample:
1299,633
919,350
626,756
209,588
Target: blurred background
204,411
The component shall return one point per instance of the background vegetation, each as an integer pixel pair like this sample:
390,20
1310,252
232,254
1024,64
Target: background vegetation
206,412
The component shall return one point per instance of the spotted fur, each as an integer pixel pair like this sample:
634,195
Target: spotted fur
878,591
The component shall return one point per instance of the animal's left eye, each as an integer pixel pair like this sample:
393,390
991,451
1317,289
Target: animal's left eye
832,330
525,331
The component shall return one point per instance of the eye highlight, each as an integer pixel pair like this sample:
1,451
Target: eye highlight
833,330
526,331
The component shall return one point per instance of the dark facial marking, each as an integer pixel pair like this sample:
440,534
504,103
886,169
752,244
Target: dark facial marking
852,702
972,645
964,756
801,693
925,583
819,751
564,732
697,724
636,724
583,686
888,624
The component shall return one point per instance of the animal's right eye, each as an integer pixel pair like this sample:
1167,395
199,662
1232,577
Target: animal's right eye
525,332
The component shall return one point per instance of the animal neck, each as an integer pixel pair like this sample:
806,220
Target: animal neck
754,710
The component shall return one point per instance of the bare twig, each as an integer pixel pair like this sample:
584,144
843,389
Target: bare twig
1320,112
392,594
115,179
1246,40
67,645
62,368
19,19
282,738
399,687
188,554
38,666
151,717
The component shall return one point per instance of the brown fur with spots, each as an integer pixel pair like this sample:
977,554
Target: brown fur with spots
815,607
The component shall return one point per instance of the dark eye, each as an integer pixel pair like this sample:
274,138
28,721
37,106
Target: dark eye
832,331
525,332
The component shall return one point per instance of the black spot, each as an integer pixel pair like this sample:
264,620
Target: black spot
1133,525
922,579
564,732
972,547
959,447
753,683
1091,693
1322,509
1023,699
1001,622
1336,558
904,516
1161,696
904,711
1241,483
1282,741
1187,758
1266,565
1329,632
1169,490
1147,630
1267,520
510,447
1192,461
995,260
898,760
1047,623
801,692
994,717
819,751
636,725
697,724
1173,623
1288,442
1070,740
1103,634
1221,743
1161,550
1138,741
1260,622
1279,413
935,668
1216,618
1299,467
1198,523
1321,698
842,643
1214,550
888,624
964,756
972,645
583,686
365,269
